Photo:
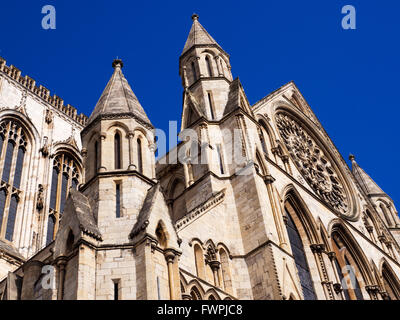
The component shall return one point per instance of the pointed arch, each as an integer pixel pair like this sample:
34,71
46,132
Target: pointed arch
324,236
195,290
211,294
385,214
301,231
225,269
297,206
199,260
267,135
390,281
175,192
18,142
65,174
351,261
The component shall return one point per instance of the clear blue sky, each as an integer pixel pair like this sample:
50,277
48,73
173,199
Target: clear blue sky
350,78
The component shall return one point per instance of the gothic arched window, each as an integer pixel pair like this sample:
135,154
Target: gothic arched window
117,151
391,285
300,259
140,155
347,268
13,147
209,67
65,176
385,214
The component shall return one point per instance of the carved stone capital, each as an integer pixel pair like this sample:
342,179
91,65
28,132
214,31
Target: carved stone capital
169,256
186,296
331,255
372,289
337,287
317,248
370,228
268,179
214,265
131,134
84,152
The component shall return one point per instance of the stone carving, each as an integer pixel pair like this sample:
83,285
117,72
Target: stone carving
310,160
49,116
40,198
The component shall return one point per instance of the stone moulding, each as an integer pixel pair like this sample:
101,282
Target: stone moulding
200,210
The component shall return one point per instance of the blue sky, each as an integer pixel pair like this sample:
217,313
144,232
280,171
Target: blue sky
349,77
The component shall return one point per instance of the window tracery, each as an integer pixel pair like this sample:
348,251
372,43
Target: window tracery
312,163
13,149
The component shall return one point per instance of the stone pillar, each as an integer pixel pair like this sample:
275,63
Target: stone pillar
217,58
103,153
337,287
131,136
317,250
170,257
152,149
61,263
215,265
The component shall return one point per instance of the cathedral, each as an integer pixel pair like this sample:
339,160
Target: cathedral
87,212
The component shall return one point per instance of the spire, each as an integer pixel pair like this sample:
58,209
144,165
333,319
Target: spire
368,185
118,98
198,36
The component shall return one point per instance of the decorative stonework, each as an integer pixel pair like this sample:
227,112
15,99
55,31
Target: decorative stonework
312,163
200,210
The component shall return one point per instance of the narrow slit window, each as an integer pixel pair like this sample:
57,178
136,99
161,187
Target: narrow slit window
116,290
118,200
117,150
140,155
221,165
96,156
210,103
209,68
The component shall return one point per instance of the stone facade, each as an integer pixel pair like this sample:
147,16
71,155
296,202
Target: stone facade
260,205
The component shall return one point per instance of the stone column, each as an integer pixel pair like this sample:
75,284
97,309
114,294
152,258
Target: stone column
215,267
317,250
170,257
217,58
337,287
373,291
152,149
103,154
131,136
61,263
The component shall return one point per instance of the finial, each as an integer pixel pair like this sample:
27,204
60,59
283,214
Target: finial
195,16
117,63
352,158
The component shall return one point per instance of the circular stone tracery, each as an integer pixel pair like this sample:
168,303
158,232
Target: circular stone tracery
310,160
